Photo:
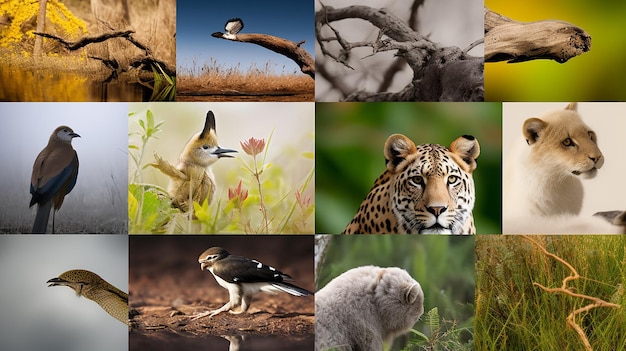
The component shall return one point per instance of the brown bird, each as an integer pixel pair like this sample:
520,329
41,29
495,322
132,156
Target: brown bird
88,284
191,178
54,175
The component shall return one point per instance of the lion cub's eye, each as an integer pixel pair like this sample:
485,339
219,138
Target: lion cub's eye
417,180
568,142
452,179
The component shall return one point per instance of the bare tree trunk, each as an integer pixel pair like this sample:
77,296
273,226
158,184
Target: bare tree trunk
41,27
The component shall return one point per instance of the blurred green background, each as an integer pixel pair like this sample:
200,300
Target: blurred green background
596,75
349,152
443,265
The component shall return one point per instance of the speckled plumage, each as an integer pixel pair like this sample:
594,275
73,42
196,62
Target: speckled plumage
88,284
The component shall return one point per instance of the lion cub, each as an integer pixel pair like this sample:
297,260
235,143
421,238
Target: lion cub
366,306
542,190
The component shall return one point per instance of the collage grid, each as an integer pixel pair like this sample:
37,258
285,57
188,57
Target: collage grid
193,161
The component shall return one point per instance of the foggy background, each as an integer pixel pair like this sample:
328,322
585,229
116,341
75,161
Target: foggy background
97,204
34,316
607,120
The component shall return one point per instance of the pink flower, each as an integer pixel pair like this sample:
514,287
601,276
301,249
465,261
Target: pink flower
253,146
305,201
237,193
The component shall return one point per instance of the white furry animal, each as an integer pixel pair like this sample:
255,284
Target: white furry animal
366,306
542,190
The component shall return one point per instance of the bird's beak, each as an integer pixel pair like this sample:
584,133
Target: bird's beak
203,264
219,152
56,282
74,135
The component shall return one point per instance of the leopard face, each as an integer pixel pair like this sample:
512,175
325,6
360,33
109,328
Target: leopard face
426,189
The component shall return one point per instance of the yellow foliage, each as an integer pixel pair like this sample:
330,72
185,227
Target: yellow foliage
24,11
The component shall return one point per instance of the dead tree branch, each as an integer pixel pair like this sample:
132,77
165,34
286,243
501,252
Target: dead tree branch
86,40
512,41
439,73
564,289
112,63
281,46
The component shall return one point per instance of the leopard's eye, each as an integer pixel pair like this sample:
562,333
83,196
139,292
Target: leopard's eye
417,180
568,142
452,179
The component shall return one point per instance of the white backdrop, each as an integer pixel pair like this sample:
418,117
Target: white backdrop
605,192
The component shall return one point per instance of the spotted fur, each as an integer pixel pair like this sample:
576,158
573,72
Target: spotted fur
426,189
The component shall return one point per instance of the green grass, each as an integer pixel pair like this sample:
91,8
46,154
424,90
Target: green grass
514,314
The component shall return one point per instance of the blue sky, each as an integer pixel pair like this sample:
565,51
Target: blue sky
196,20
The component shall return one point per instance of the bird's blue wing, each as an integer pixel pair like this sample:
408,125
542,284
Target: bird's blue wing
66,177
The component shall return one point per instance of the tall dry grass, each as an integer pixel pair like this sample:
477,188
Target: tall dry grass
513,313
215,77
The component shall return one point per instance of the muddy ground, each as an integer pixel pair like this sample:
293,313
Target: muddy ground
166,287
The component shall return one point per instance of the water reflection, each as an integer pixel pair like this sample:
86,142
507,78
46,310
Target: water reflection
41,85
163,340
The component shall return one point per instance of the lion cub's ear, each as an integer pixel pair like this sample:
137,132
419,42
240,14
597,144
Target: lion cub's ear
397,148
532,129
468,149
572,106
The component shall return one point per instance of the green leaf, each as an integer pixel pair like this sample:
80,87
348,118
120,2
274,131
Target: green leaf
420,334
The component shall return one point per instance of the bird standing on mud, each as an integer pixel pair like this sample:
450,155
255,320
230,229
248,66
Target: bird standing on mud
88,284
243,277
54,175
191,179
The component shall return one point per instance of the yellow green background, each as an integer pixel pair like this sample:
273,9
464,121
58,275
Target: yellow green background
597,75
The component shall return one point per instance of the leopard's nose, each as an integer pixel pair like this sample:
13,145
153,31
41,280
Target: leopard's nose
437,210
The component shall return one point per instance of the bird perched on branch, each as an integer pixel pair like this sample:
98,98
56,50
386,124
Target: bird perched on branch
54,175
191,178
282,46
232,27
88,284
243,277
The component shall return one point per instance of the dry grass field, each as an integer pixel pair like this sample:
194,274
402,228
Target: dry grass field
213,82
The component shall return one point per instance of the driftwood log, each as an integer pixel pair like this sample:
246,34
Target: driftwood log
281,46
513,41
439,73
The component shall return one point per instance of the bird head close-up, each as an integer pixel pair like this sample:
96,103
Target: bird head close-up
203,149
64,133
91,286
209,256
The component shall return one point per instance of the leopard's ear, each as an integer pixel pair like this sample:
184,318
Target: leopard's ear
466,147
532,129
397,148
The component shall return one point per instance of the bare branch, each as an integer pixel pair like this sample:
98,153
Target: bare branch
111,63
564,289
439,73
282,46
86,40
512,41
